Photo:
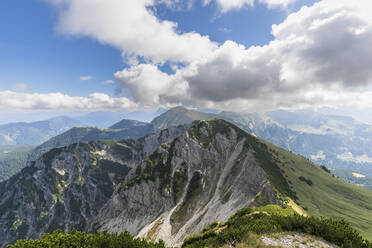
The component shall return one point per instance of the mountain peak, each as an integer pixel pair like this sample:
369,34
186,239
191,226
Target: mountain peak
128,124
212,127
179,116
178,108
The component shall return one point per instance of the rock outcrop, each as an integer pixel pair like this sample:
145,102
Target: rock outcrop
206,174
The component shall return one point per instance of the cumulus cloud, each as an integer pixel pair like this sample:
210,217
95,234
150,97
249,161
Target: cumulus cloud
320,56
133,28
228,5
150,86
58,101
86,78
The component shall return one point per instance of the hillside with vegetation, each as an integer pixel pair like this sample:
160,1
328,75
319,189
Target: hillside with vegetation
77,239
248,226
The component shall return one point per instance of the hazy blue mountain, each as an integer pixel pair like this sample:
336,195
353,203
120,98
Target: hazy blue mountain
178,116
335,141
134,129
353,177
35,133
126,124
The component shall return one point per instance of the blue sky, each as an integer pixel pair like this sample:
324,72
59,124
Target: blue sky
210,54
34,53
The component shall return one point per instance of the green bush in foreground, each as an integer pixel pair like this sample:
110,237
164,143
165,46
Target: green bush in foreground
272,219
262,220
77,239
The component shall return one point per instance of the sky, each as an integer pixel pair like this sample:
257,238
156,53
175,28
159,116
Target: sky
242,55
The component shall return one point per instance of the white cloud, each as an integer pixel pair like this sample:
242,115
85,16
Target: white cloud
58,101
277,3
206,2
177,4
150,86
86,78
320,56
110,81
20,87
133,28
229,5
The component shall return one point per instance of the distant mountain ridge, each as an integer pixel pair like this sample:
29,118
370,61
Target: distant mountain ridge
334,141
123,129
37,132
34,133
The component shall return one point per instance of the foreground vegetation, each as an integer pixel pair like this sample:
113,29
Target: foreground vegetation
244,229
273,219
77,239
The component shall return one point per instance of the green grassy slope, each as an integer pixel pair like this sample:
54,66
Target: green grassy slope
248,224
317,191
321,194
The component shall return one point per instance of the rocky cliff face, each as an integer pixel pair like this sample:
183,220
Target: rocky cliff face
67,186
206,174
163,186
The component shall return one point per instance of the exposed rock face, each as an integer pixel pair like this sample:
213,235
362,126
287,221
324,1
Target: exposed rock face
67,186
201,176
163,186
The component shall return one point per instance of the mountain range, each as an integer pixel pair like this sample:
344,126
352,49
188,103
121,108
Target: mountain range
35,133
170,184
341,143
